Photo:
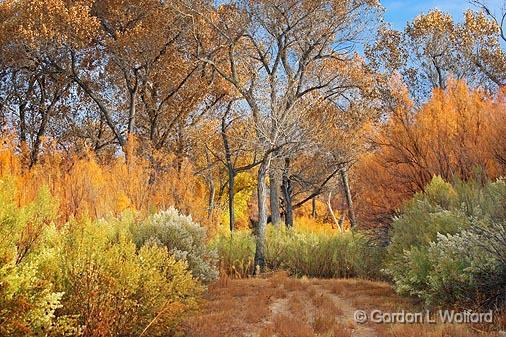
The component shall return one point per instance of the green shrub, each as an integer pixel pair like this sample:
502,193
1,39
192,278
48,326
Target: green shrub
426,215
451,250
185,240
469,267
322,255
27,299
86,278
302,253
111,288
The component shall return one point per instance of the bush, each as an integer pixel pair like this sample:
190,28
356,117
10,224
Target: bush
85,278
27,299
469,267
426,215
185,240
451,250
322,255
114,289
236,253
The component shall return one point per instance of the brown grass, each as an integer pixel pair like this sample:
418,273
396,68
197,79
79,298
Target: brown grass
280,306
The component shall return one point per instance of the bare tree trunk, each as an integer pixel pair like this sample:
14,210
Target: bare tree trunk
331,211
274,197
287,195
34,155
349,200
313,208
212,194
262,215
132,111
231,197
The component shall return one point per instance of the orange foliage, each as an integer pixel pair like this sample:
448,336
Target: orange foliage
453,135
84,186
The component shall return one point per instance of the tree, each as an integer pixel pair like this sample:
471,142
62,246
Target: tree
434,49
277,54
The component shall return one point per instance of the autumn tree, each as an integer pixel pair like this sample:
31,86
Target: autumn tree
433,49
277,54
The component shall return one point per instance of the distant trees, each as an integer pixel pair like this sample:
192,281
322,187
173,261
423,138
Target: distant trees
434,49
284,58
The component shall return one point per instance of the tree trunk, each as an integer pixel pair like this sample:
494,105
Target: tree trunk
132,110
313,208
287,195
274,197
331,211
262,216
231,197
349,200
212,193
34,156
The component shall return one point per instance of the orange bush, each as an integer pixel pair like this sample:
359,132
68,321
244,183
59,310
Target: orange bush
456,133
84,186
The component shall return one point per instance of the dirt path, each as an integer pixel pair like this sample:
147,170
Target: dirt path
280,306
359,330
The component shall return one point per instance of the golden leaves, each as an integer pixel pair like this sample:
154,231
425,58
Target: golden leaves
37,21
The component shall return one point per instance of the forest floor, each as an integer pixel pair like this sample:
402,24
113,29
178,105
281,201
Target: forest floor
282,306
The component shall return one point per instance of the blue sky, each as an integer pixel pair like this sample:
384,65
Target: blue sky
398,12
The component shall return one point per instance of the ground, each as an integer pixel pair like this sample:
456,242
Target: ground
282,306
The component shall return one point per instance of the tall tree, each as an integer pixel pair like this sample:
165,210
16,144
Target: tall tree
281,57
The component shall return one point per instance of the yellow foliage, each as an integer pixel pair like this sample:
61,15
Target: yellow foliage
86,187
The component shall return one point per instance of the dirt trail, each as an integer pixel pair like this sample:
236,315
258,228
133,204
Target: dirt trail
280,306
348,310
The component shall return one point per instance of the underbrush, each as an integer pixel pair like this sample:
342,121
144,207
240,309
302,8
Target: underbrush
86,278
303,253
449,245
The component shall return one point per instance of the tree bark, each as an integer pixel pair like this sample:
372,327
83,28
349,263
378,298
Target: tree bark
262,215
132,111
349,200
313,208
212,194
230,169
274,197
287,195
331,211
231,197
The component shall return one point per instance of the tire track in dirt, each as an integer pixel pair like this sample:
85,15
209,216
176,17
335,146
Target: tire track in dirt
347,317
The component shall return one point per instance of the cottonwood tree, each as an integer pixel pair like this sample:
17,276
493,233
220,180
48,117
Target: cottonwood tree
337,139
434,49
276,54
123,68
33,36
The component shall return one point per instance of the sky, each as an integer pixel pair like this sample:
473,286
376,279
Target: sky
398,12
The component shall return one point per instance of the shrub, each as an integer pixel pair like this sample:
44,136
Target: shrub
27,299
85,278
114,289
302,253
185,240
322,255
426,215
451,250
469,267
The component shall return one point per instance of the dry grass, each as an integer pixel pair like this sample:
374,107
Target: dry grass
281,306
